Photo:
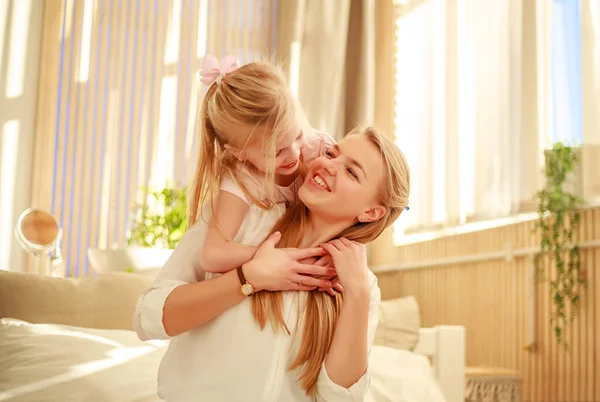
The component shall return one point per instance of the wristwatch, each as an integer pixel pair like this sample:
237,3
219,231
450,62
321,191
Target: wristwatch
247,289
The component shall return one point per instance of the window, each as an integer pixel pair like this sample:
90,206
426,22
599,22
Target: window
566,70
457,111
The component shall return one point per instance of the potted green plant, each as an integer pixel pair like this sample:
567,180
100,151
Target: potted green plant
161,220
156,226
558,260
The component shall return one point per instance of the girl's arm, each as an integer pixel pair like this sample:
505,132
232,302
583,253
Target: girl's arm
179,300
218,253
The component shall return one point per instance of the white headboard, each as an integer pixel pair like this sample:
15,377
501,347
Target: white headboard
445,344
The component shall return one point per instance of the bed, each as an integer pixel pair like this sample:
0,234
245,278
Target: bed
79,352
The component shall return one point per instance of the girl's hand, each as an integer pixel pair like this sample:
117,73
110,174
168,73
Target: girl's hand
280,269
327,261
350,260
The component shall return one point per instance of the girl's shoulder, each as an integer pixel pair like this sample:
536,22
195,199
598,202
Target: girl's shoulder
244,183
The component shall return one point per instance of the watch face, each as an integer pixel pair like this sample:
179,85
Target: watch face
247,289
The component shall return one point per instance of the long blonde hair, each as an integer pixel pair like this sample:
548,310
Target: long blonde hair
321,310
255,95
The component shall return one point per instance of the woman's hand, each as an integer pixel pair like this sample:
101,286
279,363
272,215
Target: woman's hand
280,269
327,261
350,261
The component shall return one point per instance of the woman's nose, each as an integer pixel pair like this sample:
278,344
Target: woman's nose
330,166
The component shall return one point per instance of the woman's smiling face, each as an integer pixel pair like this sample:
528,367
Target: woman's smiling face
345,183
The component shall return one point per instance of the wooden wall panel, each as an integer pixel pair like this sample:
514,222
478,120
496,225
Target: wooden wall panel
490,297
116,104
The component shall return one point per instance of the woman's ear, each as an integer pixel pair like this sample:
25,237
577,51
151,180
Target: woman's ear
373,214
241,155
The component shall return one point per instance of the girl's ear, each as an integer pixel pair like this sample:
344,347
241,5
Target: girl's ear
241,155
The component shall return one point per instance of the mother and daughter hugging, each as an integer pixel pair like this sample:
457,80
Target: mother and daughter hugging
268,296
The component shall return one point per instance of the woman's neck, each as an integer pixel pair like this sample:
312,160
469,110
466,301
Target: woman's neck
320,230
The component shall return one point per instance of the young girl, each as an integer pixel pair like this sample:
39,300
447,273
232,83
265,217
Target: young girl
254,140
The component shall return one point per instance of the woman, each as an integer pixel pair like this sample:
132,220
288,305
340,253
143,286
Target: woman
316,347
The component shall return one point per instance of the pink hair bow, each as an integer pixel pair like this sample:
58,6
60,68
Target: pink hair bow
211,71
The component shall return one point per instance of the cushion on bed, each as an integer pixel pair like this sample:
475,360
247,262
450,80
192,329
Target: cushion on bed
104,301
399,323
45,362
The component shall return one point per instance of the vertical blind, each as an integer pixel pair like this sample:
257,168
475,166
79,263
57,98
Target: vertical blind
117,104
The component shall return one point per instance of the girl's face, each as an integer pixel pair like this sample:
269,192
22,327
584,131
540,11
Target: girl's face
287,152
345,183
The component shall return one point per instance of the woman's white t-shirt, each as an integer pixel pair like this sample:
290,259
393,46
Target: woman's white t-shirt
230,358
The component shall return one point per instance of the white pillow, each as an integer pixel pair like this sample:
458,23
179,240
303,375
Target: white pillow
45,362
401,376
399,323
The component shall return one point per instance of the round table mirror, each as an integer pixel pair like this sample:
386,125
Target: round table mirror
39,233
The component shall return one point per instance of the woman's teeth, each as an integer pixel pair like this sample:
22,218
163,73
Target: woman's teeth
321,182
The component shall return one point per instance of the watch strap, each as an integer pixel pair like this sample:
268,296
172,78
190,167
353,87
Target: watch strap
240,273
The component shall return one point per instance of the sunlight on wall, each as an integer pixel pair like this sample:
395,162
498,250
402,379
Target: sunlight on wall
295,67
113,112
202,31
192,117
3,24
163,160
15,74
10,143
144,158
66,18
173,34
89,10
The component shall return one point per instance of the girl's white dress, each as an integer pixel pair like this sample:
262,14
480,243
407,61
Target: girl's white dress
230,358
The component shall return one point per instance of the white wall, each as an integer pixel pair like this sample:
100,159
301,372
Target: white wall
20,39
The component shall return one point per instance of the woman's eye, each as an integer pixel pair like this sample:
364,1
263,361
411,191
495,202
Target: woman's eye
351,173
329,154
278,152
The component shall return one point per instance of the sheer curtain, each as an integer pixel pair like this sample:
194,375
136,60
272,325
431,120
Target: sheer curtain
458,109
328,48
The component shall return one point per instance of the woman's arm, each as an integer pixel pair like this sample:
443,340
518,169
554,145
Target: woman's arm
219,254
191,306
344,373
346,361
180,300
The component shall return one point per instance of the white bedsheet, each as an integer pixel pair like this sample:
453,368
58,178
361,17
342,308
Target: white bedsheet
50,362
44,362
401,376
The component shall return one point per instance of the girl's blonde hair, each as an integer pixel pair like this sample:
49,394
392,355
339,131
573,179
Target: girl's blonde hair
321,311
256,95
